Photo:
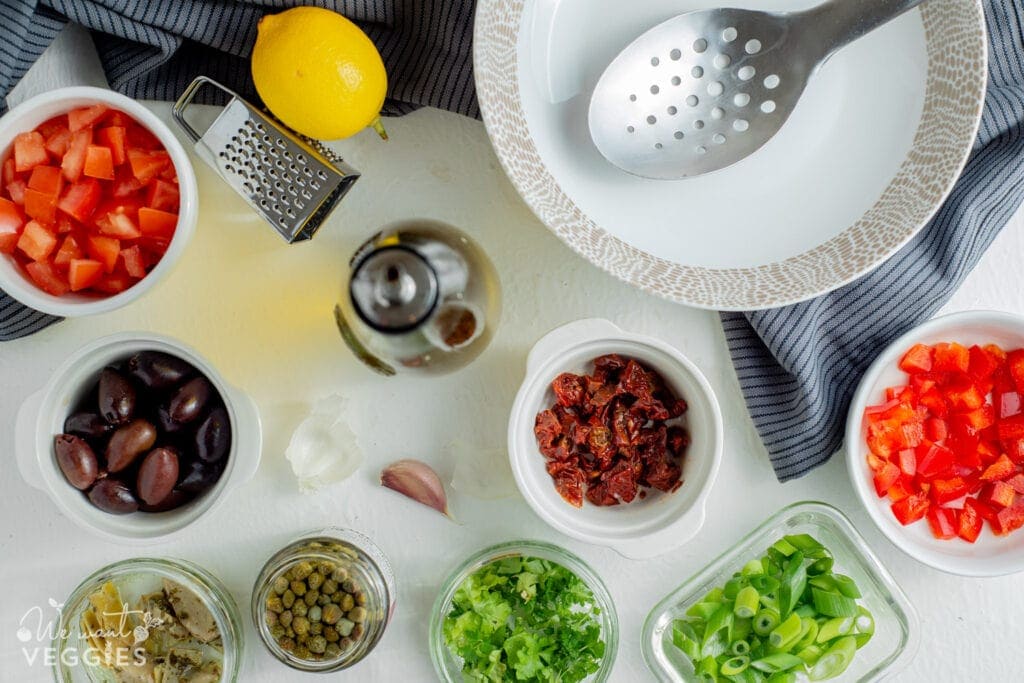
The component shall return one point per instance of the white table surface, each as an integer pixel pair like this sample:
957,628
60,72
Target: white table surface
261,312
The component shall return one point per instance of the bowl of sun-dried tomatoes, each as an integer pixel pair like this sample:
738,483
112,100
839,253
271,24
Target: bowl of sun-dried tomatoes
615,438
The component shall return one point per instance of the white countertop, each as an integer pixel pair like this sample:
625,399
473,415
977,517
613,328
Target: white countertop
261,312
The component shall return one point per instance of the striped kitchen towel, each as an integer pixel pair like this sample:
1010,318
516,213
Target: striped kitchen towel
798,366
152,49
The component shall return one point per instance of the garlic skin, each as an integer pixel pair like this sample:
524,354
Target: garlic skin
416,480
323,449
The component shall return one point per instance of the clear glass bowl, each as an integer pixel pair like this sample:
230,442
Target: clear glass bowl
363,562
896,622
449,668
134,577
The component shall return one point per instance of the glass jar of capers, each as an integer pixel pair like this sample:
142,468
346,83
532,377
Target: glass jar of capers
322,602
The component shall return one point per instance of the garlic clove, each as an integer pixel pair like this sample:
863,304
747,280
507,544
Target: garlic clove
418,481
323,448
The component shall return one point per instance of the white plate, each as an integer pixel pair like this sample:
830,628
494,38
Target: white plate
870,153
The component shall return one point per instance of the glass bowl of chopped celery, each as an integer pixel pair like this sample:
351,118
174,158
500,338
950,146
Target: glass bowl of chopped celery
800,598
525,611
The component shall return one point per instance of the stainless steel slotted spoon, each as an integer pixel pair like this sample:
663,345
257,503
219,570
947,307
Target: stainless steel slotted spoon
708,88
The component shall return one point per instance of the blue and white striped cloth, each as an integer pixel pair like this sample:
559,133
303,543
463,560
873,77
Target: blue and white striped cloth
798,366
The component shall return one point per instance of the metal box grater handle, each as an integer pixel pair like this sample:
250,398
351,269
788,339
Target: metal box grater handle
293,182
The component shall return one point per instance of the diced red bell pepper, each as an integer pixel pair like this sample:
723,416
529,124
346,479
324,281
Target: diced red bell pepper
84,273
46,180
903,487
1008,404
933,400
85,117
69,249
1009,519
947,490
935,461
1012,428
1015,364
125,183
81,199
74,159
113,137
8,173
874,462
104,249
1000,469
141,138
1017,483
910,509
29,151
969,525
48,279
36,241
907,459
1015,449
923,381
885,477
983,364
935,429
912,434
133,261
980,418
918,358
99,162
998,494
963,396
943,522
983,510
951,358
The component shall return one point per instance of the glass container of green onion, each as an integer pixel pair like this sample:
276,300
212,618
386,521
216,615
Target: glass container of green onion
800,598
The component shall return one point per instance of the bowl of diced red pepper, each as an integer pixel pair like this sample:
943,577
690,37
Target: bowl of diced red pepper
935,443
97,201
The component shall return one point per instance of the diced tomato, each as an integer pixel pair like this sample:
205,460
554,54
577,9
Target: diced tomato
74,159
1009,519
36,241
157,224
57,143
52,125
147,165
163,196
120,225
86,117
69,249
935,429
998,494
943,522
16,191
885,477
42,207
1000,469
140,138
29,151
969,526
48,279
113,138
133,263
46,180
125,183
982,364
104,249
114,283
947,490
11,218
8,173
99,162
81,199
951,358
84,273
917,359
935,461
910,509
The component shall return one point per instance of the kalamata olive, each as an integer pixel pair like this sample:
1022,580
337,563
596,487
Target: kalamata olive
197,476
76,460
128,443
87,425
190,400
116,397
157,475
175,499
167,425
214,435
111,495
158,370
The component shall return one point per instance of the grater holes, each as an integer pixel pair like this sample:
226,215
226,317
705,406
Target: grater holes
698,124
260,128
652,119
676,80
658,145
678,135
768,106
715,88
655,90
722,61
697,72
308,171
321,175
729,34
315,185
718,139
655,61
675,54
692,101
772,82
717,113
672,111
753,46
745,73
301,158
741,99
700,45
289,213
740,125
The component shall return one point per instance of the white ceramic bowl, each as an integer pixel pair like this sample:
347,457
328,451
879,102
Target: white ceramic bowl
42,416
644,528
34,111
990,555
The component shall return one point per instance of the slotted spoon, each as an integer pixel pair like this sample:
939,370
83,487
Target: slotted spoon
708,88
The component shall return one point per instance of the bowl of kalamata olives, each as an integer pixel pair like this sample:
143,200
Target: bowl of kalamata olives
136,436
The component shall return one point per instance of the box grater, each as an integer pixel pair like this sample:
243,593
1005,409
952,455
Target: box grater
292,181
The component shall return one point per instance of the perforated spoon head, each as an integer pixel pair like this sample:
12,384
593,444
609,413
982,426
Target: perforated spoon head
699,92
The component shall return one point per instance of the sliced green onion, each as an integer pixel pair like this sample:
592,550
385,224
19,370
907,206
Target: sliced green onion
846,586
862,639
734,665
733,586
786,633
834,628
809,654
716,635
820,566
784,547
708,667
834,660
703,610
764,583
741,628
810,632
684,638
783,677
747,602
865,623
751,568
833,604
765,621
792,583
781,661
807,544
740,647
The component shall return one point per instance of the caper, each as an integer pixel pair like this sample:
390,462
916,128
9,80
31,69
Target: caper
299,609
332,651
302,570
349,586
316,628
325,568
298,588
288,599
314,614
300,625
345,643
344,627
287,644
310,598
302,652
286,618
357,631
274,603
357,614
315,580
271,618
361,598
331,613
318,644
339,575
323,600
331,634
280,585
347,602
277,631
330,587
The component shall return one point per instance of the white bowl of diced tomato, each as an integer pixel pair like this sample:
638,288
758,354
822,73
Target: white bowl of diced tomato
98,200
935,443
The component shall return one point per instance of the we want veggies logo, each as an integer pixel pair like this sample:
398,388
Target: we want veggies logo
39,627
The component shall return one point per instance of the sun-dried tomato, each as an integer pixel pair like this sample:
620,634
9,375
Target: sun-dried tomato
606,436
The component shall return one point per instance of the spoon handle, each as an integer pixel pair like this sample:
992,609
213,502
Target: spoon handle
836,23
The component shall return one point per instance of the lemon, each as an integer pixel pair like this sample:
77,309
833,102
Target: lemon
319,73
